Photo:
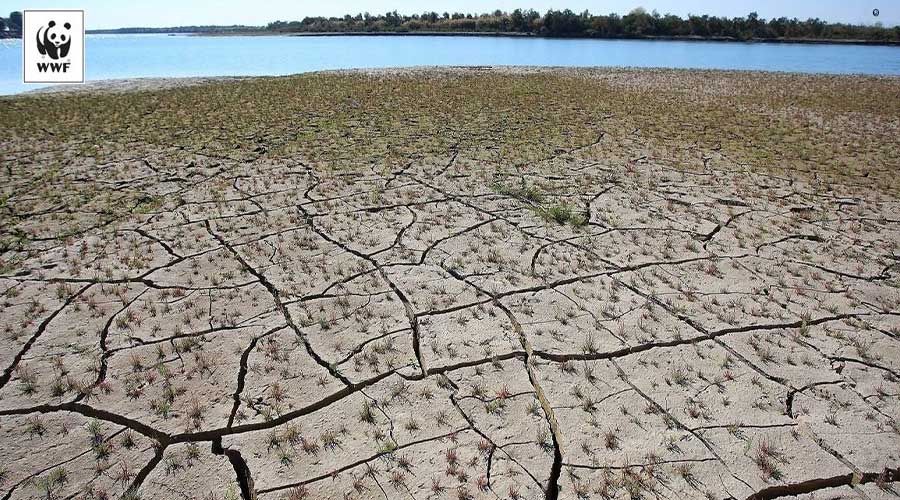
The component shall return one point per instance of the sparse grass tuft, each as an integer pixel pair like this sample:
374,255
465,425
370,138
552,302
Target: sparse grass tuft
562,214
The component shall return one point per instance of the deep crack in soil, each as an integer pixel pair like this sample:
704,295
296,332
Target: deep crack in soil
492,284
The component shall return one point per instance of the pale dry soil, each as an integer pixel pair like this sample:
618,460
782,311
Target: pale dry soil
611,317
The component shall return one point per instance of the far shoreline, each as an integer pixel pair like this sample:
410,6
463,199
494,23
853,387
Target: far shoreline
804,41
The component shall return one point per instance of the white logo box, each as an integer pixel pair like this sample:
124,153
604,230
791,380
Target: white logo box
53,46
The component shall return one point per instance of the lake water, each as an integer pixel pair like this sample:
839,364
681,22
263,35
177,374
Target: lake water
131,56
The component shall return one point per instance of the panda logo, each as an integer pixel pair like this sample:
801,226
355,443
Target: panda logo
54,41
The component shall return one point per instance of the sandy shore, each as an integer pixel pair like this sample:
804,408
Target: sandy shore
645,74
142,84
131,85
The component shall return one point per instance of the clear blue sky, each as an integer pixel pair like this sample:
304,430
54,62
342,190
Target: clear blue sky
158,13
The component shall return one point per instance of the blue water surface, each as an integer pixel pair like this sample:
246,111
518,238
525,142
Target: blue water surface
131,56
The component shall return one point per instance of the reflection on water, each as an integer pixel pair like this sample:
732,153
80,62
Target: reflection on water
130,56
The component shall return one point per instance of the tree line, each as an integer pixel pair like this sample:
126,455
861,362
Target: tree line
236,29
12,25
556,23
637,24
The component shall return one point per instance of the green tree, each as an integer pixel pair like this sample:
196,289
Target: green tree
639,23
14,21
517,19
393,18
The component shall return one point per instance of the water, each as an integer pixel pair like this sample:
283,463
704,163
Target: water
131,56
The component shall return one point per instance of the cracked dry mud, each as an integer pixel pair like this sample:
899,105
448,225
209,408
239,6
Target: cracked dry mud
513,284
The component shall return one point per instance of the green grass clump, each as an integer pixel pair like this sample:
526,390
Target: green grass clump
525,192
564,214
560,213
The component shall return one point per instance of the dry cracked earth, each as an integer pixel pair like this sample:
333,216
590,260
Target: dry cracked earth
599,320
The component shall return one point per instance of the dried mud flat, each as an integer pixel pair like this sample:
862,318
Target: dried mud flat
462,284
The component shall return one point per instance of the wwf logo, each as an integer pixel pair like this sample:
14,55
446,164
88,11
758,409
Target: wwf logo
54,41
53,48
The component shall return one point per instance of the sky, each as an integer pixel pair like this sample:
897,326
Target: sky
100,14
